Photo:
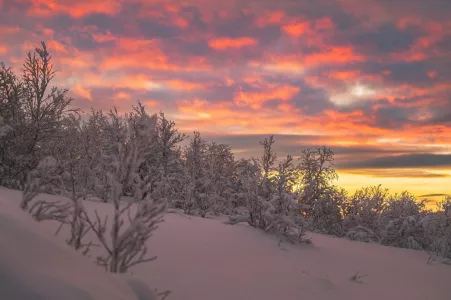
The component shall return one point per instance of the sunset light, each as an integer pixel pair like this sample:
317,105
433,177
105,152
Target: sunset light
368,84
225,149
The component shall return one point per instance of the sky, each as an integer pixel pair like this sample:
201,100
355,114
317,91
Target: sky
371,79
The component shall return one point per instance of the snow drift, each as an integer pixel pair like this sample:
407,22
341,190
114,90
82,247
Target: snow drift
34,264
206,259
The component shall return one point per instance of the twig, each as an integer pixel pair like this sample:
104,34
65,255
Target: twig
357,278
431,258
163,295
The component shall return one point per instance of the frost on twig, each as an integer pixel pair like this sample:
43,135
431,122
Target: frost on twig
237,219
163,295
357,277
431,258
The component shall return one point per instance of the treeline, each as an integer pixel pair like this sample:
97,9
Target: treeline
136,158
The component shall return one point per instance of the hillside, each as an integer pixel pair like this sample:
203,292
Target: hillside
205,259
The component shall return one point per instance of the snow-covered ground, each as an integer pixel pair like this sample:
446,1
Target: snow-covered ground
205,259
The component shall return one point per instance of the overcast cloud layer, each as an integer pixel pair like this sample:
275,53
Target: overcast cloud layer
369,78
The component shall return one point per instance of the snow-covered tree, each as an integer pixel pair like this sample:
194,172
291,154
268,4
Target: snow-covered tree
45,178
268,191
362,213
164,161
64,175
317,173
437,229
194,196
401,222
129,232
326,215
218,176
34,111
402,205
283,213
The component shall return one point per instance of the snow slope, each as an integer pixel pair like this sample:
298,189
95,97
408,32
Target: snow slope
35,265
205,259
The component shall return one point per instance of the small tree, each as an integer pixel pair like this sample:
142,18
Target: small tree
362,211
194,196
437,228
218,176
127,246
34,112
272,206
326,215
164,162
317,173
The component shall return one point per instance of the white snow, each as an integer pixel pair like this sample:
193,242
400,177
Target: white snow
206,259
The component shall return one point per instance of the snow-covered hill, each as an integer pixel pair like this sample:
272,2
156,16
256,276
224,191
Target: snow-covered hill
205,259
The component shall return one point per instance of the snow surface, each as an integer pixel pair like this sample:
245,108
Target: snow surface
206,259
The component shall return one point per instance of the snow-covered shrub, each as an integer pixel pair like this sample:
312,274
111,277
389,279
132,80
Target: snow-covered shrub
51,177
282,214
270,201
129,233
46,178
4,127
437,228
363,209
316,175
163,162
401,205
194,196
33,111
326,215
400,222
218,176
404,232
362,234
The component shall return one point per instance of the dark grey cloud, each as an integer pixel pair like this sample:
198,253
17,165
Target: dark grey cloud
433,195
294,144
385,39
312,101
105,23
443,118
402,161
151,29
193,16
409,72
400,173
392,117
178,48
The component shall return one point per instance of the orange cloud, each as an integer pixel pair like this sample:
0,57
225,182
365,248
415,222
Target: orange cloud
81,91
151,103
270,18
77,9
9,30
122,96
227,43
256,99
335,55
296,29
286,107
324,24
226,117
3,49
56,46
184,85
345,75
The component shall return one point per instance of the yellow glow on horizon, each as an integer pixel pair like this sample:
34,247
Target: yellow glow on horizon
416,185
